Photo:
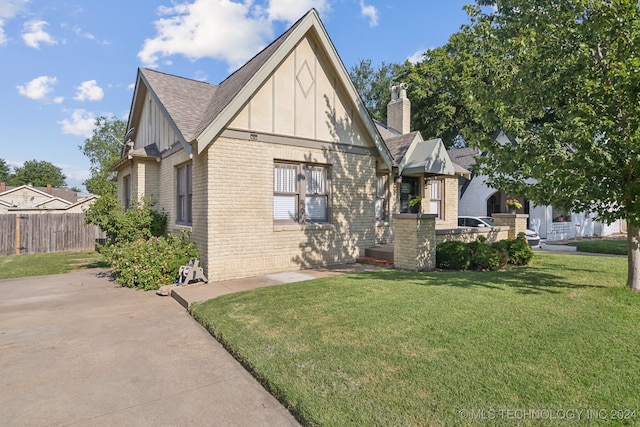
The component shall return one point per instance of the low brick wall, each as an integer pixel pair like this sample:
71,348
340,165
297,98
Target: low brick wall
467,235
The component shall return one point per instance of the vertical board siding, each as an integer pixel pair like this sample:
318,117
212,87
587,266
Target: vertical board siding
7,235
41,233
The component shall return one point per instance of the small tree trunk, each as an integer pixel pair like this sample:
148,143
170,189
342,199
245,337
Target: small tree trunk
633,258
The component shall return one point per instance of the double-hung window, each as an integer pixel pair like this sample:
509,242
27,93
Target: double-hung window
382,190
183,194
436,198
301,193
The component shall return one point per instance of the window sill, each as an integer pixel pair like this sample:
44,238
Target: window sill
302,227
185,227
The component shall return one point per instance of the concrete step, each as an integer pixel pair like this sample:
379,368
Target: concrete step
383,252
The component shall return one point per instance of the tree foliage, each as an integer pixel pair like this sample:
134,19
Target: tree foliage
437,90
562,79
5,171
103,150
374,86
39,174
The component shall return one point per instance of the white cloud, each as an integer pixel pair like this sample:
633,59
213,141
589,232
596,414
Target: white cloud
203,28
417,56
89,91
370,12
291,10
78,31
38,88
81,123
33,34
3,36
58,99
131,86
8,10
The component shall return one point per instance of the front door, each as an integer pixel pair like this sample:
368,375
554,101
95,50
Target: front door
408,190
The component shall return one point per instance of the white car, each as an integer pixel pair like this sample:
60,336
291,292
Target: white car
487,221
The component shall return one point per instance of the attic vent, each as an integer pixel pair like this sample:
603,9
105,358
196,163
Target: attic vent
305,78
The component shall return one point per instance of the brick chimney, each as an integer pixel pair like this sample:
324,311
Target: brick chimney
48,188
3,187
399,109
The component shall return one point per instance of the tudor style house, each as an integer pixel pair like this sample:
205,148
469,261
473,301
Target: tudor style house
280,166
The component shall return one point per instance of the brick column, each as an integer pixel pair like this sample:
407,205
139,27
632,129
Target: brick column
517,223
414,246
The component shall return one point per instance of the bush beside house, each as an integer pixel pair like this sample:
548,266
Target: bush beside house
140,252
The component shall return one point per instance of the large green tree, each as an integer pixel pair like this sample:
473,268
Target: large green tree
5,171
103,150
39,174
562,77
374,85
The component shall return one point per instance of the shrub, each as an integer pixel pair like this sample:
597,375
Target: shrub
520,253
150,263
453,255
140,221
484,256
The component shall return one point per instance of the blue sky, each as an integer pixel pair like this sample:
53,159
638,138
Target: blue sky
65,62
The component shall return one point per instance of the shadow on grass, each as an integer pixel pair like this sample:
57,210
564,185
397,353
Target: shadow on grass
97,264
524,280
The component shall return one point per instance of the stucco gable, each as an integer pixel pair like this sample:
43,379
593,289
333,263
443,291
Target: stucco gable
244,83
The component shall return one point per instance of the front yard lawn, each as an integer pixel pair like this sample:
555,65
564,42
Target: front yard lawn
14,266
426,349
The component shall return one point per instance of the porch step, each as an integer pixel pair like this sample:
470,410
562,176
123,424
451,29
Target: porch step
382,252
374,261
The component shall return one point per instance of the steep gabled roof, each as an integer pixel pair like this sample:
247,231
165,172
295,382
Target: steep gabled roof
231,86
237,89
398,145
199,111
184,100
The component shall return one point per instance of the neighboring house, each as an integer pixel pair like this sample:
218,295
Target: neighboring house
26,198
478,199
280,166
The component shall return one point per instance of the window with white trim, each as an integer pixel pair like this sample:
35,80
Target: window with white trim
382,198
184,194
435,205
301,193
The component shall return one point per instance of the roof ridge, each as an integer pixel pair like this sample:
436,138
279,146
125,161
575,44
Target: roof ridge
215,107
179,77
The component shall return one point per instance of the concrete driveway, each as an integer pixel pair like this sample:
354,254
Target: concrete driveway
75,349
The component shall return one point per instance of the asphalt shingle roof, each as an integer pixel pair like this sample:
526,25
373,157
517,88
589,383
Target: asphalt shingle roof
184,99
465,157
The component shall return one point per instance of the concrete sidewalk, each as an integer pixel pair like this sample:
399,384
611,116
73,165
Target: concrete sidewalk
187,295
76,349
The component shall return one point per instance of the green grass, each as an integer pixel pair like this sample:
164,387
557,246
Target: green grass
15,266
399,348
613,247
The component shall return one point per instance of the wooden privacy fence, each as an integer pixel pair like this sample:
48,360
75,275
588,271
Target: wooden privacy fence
46,232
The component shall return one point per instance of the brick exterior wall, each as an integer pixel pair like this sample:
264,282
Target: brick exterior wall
517,223
415,245
242,237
